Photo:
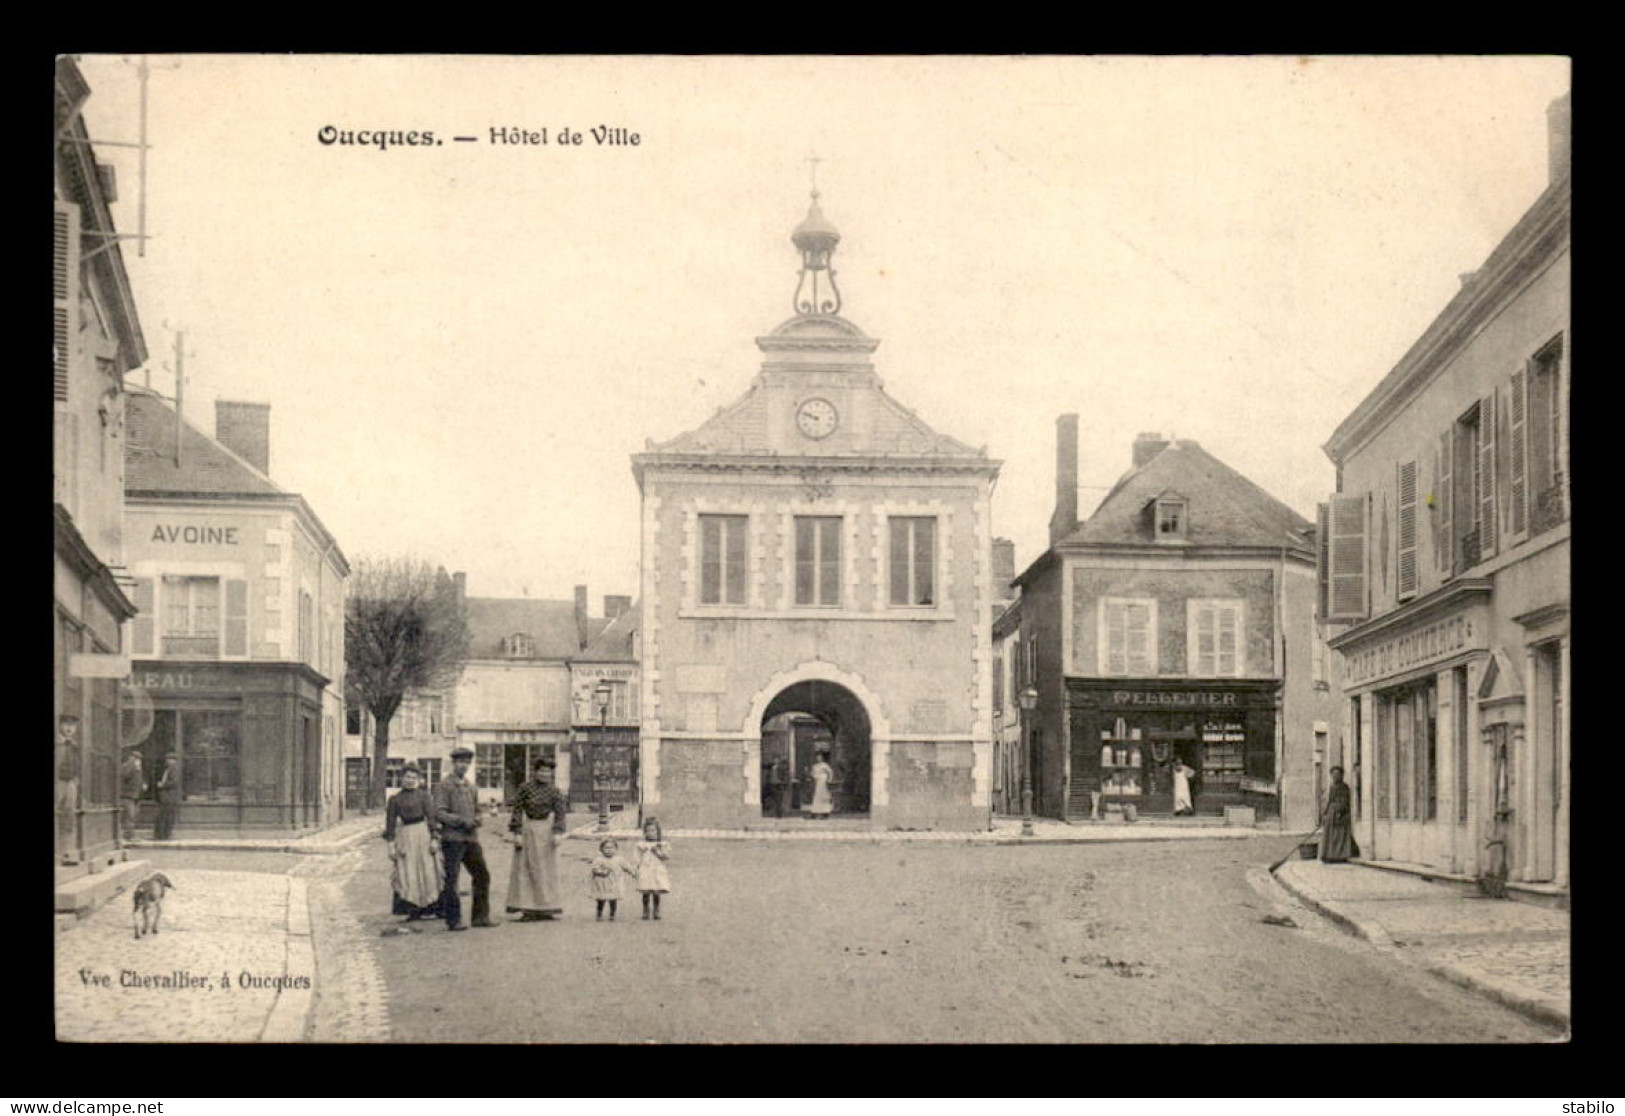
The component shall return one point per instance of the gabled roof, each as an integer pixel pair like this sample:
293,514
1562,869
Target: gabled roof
614,643
551,625
205,465
1226,509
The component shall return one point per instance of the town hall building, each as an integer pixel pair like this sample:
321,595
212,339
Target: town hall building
817,580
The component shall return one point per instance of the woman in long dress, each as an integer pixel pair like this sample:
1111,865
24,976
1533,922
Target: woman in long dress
1336,822
1182,788
821,772
538,819
416,875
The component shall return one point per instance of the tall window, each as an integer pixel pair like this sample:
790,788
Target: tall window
1128,640
818,560
1385,755
488,766
1547,467
722,559
1214,639
913,560
1465,499
307,628
998,679
434,715
1404,722
352,720
192,616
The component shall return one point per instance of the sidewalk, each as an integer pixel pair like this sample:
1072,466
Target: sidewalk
232,962
1514,953
1005,831
331,841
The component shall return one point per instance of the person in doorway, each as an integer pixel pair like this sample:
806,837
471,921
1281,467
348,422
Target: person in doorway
416,870
607,884
653,879
456,812
539,811
1182,787
169,798
1336,823
131,782
778,786
821,772
67,785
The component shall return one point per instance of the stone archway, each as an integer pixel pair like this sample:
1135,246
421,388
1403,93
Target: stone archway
799,713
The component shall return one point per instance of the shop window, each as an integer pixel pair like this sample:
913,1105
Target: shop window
1384,744
488,766
1427,776
1462,749
209,751
1404,722
722,559
1128,644
191,608
818,560
431,770
1214,638
913,560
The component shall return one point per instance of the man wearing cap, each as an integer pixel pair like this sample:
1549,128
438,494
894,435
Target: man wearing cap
456,810
538,819
131,784
67,785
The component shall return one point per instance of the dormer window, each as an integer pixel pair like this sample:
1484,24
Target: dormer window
519,646
1171,518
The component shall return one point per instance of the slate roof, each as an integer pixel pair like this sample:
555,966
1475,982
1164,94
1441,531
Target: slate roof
205,466
614,643
551,625
1225,508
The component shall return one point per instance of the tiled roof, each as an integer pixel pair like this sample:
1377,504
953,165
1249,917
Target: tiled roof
614,642
551,626
205,465
1225,508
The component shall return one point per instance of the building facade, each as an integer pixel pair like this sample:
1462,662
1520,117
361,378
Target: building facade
1446,570
97,340
238,648
815,548
605,690
1175,624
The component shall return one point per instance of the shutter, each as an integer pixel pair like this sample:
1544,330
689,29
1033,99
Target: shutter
1407,529
1486,477
236,622
142,627
1518,452
65,295
1226,651
1116,640
1323,531
1444,550
1348,558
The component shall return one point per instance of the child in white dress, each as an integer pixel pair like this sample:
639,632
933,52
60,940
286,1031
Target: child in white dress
653,880
607,869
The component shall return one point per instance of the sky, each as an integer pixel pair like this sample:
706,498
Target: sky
464,343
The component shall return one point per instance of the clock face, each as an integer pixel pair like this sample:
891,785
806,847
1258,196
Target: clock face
816,418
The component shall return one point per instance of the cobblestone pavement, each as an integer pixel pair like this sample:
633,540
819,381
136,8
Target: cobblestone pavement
352,1004
206,976
1517,952
762,941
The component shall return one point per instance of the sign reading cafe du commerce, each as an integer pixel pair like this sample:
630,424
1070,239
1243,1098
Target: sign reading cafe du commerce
1424,645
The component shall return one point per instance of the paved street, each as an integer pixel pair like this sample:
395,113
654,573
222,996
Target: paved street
814,942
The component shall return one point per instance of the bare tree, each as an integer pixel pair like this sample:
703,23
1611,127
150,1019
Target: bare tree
405,629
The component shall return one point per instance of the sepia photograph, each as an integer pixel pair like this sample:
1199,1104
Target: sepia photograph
814,549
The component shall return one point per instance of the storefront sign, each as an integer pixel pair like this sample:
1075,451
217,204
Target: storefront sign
175,680
192,533
86,665
1182,699
1436,641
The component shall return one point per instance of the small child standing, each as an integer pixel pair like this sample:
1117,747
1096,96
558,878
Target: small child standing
653,881
607,869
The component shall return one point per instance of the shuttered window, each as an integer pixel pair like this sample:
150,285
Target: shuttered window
818,560
1349,558
1128,637
1323,538
1486,477
1517,452
236,626
1214,638
65,295
722,559
142,628
1544,434
913,553
1407,530
1444,546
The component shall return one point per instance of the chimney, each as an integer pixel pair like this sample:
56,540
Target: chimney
1560,136
245,429
1004,568
581,616
1147,446
1065,518
614,606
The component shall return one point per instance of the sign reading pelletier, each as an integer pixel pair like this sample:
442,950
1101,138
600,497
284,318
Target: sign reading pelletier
1424,645
1187,700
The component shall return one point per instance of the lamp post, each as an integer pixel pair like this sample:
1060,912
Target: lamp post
1028,699
601,694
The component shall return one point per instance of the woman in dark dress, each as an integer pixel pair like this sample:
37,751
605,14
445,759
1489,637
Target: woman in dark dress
416,875
1337,822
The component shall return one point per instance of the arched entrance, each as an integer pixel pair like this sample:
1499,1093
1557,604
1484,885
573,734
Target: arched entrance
807,719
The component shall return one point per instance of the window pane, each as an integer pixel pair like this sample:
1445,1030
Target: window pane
1403,725
736,559
899,561
829,562
925,561
710,560
806,559
209,753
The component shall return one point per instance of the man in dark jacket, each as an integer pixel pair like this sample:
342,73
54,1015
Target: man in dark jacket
456,809
67,786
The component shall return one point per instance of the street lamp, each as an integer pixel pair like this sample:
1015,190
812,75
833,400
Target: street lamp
601,694
1028,700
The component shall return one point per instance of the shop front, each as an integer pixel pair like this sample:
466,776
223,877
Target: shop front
247,736
604,769
1127,736
503,759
